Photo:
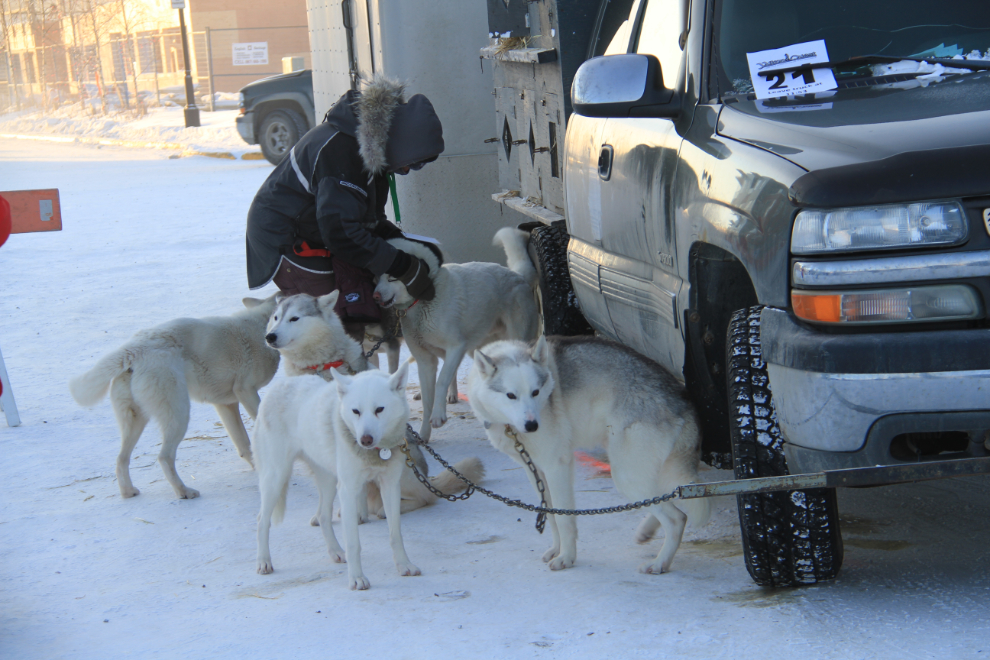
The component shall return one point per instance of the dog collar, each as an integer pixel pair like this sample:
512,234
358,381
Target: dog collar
323,367
402,312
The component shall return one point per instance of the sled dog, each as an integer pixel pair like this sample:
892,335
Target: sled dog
564,394
312,340
475,303
219,360
348,432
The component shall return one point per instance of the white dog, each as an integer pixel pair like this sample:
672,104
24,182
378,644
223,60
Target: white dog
347,432
219,360
475,303
312,340
571,393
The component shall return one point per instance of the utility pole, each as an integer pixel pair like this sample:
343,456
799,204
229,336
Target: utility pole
191,111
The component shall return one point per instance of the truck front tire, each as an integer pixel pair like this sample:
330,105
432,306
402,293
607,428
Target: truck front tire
558,303
279,132
790,538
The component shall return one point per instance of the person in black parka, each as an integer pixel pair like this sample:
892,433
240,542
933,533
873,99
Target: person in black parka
318,222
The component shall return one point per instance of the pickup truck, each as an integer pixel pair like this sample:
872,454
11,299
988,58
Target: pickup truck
815,266
275,112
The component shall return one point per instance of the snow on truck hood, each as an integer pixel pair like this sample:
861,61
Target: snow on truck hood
864,124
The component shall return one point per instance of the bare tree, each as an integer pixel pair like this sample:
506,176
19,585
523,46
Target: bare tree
6,38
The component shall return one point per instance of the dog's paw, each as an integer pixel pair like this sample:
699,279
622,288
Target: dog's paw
438,420
559,563
418,396
654,568
315,520
359,583
338,556
551,553
380,514
643,536
188,493
406,570
250,460
452,398
265,566
129,492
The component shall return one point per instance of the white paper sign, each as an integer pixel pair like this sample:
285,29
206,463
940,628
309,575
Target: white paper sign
768,83
178,4
251,54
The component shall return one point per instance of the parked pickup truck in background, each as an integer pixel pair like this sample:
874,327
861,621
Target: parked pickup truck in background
815,267
275,112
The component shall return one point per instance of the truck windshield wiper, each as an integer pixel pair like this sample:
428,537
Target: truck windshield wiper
973,65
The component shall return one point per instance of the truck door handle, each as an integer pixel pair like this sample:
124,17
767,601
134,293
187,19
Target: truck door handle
605,162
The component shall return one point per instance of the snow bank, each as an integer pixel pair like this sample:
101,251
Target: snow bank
162,127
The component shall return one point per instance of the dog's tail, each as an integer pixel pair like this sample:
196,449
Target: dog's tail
514,242
278,513
89,388
448,484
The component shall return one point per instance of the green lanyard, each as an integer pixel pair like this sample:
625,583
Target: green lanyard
395,201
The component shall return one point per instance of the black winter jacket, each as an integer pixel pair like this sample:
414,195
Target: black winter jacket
332,187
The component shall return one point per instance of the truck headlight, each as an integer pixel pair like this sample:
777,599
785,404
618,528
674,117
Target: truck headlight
878,227
949,302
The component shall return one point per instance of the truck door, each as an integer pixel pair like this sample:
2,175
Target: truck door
638,272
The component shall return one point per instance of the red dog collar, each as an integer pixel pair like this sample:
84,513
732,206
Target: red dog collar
336,365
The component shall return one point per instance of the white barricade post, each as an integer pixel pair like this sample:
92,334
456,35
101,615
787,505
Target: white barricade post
29,211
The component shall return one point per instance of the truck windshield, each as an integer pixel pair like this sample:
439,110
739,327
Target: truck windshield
850,29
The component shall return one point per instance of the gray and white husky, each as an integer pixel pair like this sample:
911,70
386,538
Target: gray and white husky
311,337
219,360
475,303
312,340
348,432
564,394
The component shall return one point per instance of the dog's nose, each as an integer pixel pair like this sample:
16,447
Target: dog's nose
367,440
532,426
377,297
271,337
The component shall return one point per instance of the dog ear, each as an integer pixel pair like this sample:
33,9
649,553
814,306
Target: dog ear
324,303
251,302
397,381
541,352
484,364
279,297
341,382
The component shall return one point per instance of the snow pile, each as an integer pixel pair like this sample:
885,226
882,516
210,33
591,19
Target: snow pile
161,127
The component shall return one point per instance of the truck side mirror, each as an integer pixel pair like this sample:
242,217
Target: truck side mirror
623,86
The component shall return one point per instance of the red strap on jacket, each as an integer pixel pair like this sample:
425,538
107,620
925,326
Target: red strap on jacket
302,249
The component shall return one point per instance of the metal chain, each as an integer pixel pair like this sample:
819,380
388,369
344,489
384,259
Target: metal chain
386,337
542,510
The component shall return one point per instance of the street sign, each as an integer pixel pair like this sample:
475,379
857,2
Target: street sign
178,4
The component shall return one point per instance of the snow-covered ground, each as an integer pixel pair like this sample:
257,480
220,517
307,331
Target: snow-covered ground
162,127
86,574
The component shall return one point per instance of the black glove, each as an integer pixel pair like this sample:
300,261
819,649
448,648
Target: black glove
417,279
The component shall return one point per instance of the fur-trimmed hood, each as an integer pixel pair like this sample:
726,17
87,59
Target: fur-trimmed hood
391,131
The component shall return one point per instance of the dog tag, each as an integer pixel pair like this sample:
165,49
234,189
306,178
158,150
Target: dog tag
384,453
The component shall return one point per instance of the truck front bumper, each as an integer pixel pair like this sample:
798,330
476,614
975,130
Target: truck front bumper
841,399
245,126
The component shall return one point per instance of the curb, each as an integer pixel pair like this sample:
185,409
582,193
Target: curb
186,151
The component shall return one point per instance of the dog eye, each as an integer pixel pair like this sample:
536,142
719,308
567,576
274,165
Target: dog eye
379,409
511,395
294,318
356,412
536,393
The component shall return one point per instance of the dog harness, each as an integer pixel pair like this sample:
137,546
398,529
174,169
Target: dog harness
323,367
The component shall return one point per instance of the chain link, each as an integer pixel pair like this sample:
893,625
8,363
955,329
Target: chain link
386,337
541,510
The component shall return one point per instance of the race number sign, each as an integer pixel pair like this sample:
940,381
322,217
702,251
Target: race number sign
251,54
769,82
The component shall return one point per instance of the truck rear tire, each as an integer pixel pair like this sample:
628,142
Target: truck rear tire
279,132
558,303
790,538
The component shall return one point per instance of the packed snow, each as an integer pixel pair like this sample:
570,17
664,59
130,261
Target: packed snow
87,574
162,127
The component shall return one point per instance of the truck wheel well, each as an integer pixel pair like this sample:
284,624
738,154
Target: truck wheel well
720,285
263,109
